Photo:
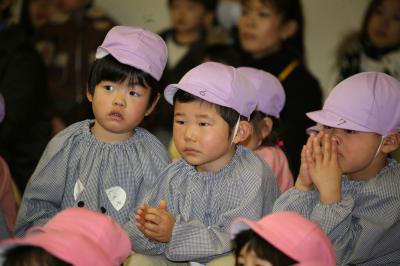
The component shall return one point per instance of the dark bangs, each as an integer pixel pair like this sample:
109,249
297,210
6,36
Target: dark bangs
228,114
110,69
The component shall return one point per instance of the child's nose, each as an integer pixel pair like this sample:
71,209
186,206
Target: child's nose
119,99
189,134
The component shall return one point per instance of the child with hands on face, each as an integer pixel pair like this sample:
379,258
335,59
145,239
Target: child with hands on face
348,184
186,216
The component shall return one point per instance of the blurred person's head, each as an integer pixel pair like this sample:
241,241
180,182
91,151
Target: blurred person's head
381,24
267,25
188,16
69,6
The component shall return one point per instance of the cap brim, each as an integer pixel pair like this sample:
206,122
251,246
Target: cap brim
169,93
328,118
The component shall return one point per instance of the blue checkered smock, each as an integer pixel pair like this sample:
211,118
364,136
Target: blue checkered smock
78,170
365,226
205,203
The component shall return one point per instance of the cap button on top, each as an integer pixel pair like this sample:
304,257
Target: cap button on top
81,204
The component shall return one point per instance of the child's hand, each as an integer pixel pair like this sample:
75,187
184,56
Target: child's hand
140,214
324,167
304,181
158,224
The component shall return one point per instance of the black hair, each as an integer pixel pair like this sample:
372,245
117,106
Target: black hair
31,256
209,5
110,69
290,10
228,114
262,248
222,53
275,135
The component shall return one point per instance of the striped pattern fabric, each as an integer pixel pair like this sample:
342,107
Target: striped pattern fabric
205,203
78,170
365,226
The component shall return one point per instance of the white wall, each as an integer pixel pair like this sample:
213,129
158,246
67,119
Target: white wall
326,23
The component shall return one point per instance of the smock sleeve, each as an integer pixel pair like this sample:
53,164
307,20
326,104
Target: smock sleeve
43,194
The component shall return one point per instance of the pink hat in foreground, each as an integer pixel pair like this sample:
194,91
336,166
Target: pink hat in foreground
367,102
219,84
270,93
136,47
292,234
78,236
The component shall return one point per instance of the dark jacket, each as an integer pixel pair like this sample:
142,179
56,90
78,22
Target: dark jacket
161,119
303,94
25,130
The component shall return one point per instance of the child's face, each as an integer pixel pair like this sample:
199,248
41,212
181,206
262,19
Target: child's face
356,152
384,25
187,16
201,136
118,109
261,29
250,258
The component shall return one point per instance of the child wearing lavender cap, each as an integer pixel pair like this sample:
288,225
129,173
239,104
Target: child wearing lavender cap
185,218
265,137
106,164
348,184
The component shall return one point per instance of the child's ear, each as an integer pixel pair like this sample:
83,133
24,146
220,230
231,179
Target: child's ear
153,105
243,132
391,143
289,29
88,95
265,127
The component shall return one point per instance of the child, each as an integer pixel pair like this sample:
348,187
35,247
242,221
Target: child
264,139
186,42
186,216
347,183
279,239
377,46
105,164
75,236
271,35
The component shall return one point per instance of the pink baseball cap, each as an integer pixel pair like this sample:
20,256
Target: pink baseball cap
367,102
78,236
2,108
219,84
136,47
270,93
294,235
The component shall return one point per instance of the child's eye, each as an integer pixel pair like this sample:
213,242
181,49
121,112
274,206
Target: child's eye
264,13
326,127
134,93
204,124
349,131
108,88
179,122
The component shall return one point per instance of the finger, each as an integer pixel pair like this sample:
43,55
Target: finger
163,205
334,144
151,227
327,147
316,148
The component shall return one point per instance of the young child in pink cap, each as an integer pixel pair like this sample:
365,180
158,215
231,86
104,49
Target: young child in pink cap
279,239
185,218
75,236
347,183
106,164
265,136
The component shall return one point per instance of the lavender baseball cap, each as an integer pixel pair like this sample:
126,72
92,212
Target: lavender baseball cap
219,84
270,93
136,47
367,102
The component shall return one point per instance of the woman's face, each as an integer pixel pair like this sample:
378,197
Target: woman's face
261,29
383,27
